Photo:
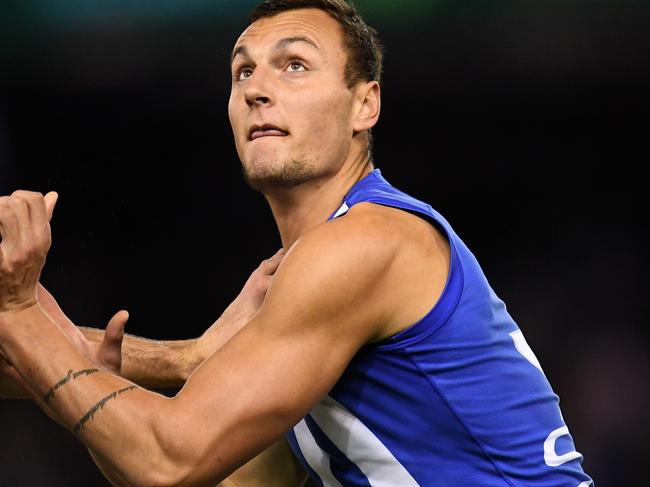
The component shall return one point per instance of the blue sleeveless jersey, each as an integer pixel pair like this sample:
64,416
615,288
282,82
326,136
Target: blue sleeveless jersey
458,399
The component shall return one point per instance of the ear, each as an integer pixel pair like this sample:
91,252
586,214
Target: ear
368,99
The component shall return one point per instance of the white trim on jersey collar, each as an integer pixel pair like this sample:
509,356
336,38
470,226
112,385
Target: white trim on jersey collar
341,211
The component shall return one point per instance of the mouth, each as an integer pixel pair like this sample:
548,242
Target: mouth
266,130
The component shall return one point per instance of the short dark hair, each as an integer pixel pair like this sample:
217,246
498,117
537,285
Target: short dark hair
365,54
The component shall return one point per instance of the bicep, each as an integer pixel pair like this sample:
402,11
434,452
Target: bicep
249,393
269,375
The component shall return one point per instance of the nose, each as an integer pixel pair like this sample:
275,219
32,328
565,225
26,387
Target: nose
258,90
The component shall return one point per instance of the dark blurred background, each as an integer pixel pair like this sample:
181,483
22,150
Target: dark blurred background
525,123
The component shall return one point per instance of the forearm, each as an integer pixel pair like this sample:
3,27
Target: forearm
114,418
154,364
162,364
9,390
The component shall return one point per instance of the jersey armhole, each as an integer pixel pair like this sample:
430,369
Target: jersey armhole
450,296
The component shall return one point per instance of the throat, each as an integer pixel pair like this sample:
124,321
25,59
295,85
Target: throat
300,209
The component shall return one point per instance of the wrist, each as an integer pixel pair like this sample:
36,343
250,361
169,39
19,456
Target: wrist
189,358
17,306
20,316
237,315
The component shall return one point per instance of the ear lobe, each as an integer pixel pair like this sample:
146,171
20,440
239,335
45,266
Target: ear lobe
370,107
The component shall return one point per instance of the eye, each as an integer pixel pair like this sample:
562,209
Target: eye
243,74
296,66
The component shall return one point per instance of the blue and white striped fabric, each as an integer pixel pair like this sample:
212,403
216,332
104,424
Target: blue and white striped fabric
458,399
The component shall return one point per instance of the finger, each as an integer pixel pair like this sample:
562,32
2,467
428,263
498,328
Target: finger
26,231
30,209
8,224
110,350
263,284
36,206
269,266
50,202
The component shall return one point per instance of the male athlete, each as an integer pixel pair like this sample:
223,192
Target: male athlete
379,352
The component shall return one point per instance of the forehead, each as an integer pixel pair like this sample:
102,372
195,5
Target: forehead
314,24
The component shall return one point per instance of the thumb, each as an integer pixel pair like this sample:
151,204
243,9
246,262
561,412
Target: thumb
110,350
50,202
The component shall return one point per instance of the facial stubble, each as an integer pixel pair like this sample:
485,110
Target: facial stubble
285,175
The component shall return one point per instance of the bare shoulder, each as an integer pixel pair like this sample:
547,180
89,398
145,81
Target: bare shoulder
383,264
404,227
334,275
420,267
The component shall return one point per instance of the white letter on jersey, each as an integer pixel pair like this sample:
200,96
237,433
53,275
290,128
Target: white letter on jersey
551,458
523,348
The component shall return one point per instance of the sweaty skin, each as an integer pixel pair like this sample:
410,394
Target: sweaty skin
341,285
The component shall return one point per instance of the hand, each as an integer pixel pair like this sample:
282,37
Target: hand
106,355
249,301
240,311
25,231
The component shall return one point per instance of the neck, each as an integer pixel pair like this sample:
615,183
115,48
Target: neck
301,208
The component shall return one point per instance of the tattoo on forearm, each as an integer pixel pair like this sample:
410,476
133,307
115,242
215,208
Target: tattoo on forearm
100,405
71,376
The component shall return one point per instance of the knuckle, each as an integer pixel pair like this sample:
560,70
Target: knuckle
17,202
265,265
13,264
22,193
17,199
39,253
263,283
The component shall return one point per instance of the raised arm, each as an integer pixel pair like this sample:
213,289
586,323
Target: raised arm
248,393
162,364
153,364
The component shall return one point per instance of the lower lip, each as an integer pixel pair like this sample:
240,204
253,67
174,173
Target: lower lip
267,133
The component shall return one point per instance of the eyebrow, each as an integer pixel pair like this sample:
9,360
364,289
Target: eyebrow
281,44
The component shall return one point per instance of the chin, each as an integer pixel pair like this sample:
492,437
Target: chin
265,175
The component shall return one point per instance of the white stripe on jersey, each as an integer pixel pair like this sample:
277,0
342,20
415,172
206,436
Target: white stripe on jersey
360,445
317,459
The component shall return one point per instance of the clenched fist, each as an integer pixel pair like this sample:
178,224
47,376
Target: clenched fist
25,231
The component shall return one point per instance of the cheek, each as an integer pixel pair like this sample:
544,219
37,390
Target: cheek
325,118
231,111
236,124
